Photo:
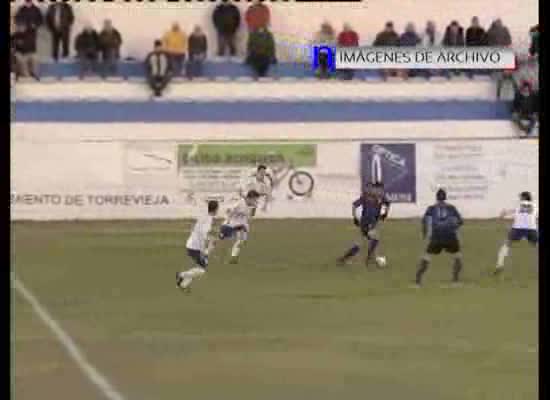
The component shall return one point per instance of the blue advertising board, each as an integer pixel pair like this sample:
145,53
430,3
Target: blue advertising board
394,164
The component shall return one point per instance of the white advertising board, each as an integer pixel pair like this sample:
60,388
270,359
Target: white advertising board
313,179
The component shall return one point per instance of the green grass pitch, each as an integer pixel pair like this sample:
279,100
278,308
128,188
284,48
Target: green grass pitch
285,323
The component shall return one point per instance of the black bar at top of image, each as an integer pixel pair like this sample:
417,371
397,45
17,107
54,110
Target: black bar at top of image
328,1
198,1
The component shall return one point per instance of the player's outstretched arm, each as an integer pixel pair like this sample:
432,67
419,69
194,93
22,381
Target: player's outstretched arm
459,220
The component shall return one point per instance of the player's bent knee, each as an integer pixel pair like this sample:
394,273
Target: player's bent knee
457,256
427,257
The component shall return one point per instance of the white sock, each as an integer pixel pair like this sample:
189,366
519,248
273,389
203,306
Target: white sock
193,273
188,276
186,282
236,248
502,254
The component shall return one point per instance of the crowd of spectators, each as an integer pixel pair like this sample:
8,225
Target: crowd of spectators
176,54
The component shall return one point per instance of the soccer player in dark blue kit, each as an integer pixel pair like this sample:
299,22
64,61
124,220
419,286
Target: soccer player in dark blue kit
374,206
440,226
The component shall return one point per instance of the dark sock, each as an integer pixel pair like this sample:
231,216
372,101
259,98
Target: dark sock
373,244
421,269
351,252
457,267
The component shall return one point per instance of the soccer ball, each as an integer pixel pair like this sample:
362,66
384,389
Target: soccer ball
381,261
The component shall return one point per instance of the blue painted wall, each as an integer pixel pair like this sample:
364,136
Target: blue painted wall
247,111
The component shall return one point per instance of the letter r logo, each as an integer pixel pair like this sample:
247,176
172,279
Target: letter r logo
329,51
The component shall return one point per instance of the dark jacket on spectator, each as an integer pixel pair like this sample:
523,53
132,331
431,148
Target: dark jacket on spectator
476,36
157,64
535,40
453,39
13,60
29,16
386,38
197,45
348,39
110,40
261,43
24,42
525,100
257,16
409,39
227,18
66,18
87,44
498,35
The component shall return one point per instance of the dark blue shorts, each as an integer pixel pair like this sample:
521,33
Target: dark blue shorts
531,235
228,232
198,258
450,245
367,228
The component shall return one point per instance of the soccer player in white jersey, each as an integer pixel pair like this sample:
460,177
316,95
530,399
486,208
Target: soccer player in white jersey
525,226
237,224
199,245
259,182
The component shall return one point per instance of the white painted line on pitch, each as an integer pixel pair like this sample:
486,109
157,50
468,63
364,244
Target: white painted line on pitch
67,342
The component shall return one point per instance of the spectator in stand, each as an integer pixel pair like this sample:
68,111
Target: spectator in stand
60,20
29,16
409,38
24,45
454,37
158,69
535,40
110,41
387,38
475,34
260,53
498,35
257,16
475,37
528,72
525,107
87,49
198,46
429,39
348,38
175,44
227,19
324,37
